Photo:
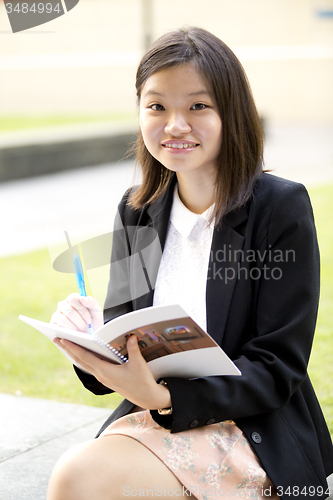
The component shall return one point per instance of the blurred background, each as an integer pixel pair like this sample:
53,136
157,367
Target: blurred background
84,62
67,96
68,114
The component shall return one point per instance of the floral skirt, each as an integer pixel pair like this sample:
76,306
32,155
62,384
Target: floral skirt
210,462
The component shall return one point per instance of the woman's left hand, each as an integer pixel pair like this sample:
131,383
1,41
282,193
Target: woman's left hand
133,380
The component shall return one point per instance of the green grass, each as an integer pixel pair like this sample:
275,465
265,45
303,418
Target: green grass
31,364
16,123
321,362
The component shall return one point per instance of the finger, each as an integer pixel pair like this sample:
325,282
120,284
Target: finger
68,316
133,349
60,319
83,357
77,302
135,358
95,310
101,369
88,308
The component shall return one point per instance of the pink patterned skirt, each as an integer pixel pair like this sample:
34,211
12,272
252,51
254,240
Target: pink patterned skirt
210,462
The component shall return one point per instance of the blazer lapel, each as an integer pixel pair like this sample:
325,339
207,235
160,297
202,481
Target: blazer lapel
225,255
148,244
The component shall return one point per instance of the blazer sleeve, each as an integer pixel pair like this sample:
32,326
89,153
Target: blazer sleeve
274,359
117,301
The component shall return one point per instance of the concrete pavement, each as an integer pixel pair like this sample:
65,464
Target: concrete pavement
34,433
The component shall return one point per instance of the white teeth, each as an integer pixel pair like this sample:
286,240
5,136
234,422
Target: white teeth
179,145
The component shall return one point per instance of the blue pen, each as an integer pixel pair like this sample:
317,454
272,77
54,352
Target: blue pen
80,281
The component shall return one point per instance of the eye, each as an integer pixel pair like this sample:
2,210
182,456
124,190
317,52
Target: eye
198,106
156,107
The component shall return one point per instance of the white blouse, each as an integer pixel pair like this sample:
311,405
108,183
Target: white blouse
182,274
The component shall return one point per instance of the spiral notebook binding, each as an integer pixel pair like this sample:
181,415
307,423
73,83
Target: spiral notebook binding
115,351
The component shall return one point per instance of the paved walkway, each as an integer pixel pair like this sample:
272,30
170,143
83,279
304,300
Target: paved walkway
34,433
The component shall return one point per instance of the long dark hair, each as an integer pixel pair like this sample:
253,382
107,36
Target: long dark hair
240,161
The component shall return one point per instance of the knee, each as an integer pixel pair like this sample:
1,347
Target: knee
67,479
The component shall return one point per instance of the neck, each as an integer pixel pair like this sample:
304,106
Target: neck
197,194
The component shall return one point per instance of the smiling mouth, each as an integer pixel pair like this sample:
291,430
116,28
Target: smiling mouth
180,145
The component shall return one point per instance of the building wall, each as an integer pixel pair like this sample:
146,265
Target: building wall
85,61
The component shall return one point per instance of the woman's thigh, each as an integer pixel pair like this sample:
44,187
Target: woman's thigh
111,468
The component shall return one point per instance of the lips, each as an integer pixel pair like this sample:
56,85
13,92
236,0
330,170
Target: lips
172,144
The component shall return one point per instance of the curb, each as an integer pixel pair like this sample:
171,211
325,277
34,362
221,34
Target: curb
23,156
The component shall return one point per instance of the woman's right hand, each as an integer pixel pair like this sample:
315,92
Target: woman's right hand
77,312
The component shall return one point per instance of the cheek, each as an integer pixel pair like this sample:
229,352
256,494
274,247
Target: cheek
150,133
216,135
209,126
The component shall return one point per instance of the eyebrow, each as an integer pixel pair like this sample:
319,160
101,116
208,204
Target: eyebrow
192,94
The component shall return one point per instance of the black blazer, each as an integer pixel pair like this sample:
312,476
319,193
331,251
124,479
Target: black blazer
262,299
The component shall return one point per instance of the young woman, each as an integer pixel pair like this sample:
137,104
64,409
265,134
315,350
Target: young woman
239,253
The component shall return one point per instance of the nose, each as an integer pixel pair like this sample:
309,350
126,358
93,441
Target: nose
177,125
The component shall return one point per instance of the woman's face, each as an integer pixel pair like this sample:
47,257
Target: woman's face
179,120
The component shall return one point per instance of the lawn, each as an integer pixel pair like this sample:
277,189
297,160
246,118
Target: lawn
32,366
321,362
17,123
